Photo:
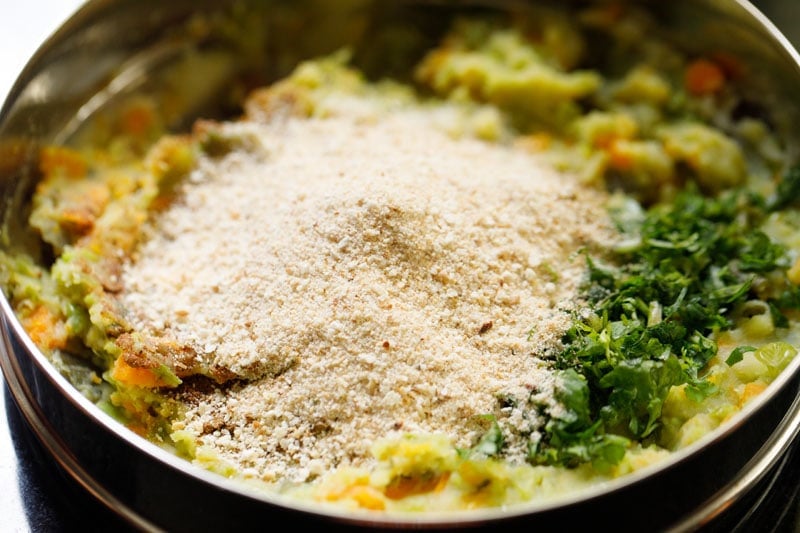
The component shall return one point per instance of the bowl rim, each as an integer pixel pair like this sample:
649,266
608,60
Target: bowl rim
24,397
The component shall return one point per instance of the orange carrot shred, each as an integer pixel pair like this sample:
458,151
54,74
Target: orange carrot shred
135,376
704,77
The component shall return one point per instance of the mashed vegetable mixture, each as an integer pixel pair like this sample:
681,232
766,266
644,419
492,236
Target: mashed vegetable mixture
531,269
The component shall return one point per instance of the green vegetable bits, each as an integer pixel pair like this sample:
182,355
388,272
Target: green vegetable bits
685,270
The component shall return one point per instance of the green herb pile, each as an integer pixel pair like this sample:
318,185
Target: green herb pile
687,266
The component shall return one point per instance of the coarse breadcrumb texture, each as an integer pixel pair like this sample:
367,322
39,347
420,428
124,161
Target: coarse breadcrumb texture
367,274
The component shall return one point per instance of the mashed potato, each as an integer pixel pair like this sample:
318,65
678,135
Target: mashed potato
388,295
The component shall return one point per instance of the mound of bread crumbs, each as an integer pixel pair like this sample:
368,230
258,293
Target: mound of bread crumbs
360,275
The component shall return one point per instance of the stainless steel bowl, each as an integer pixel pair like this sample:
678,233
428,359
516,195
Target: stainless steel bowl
111,50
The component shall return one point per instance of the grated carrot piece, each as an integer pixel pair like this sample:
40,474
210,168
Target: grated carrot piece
138,120
619,158
135,376
704,77
43,327
53,159
367,498
751,390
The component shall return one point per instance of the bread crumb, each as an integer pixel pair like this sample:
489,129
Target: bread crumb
364,278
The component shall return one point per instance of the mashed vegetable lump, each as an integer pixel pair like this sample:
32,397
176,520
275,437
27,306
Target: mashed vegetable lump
513,277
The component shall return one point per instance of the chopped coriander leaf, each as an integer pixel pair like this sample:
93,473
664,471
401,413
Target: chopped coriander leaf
738,354
787,192
573,437
490,443
685,267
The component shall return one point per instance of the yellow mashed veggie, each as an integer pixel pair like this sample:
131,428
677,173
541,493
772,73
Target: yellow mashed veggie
639,127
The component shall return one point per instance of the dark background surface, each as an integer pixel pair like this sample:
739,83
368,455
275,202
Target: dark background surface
35,496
